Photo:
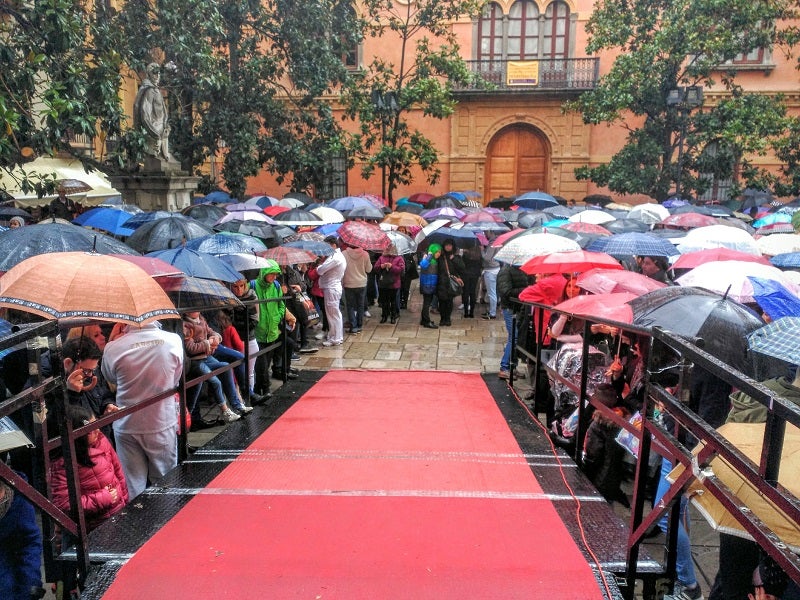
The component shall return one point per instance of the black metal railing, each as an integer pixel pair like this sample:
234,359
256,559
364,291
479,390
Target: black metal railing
551,74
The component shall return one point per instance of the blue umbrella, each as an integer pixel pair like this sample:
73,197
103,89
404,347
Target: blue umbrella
774,299
141,218
674,202
107,219
536,200
218,197
787,260
779,339
633,244
772,218
349,203
226,243
463,238
329,229
198,264
262,201
555,223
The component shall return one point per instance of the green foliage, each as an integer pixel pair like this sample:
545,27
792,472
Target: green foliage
430,65
663,44
59,75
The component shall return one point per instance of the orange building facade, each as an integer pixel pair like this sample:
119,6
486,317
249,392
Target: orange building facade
515,137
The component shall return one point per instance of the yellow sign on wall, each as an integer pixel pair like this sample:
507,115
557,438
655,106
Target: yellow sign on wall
522,72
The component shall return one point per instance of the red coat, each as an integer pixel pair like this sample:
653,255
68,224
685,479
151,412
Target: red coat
95,482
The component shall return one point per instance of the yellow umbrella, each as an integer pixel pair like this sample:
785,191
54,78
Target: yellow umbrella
748,439
75,285
405,219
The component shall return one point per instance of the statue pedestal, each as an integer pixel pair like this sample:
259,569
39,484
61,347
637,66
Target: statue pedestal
161,185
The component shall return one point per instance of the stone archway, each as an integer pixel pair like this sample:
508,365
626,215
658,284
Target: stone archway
517,160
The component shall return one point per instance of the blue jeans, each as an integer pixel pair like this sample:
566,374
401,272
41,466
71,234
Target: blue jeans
505,362
355,299
230,355
207,365
684,565
490,282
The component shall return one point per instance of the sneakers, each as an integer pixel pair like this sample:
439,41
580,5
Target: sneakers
295,356
488,317
228,416
503,374
367,313
308,350
684,593
320,336
243,409
329,343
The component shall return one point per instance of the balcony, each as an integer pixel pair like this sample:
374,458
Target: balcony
533,76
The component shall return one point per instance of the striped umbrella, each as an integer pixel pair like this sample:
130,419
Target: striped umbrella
288,255
364,235
780,339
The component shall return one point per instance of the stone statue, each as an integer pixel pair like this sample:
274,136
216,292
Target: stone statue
150,114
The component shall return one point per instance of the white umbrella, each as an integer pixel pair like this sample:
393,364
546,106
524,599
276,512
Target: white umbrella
521,249
596,217
328,214
245,215
718,236
402,242
430,228
731,277
778,243
649,213
244,262
291,203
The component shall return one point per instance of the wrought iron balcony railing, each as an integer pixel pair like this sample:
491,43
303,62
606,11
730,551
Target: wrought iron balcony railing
518,76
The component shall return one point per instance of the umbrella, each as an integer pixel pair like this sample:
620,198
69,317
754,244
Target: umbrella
444,201
107,219
753,197
405,219
262,202
155,267
410,207
218,197
445,212
199,294
72,186
690,260
613,307
521,249
774,298
779,339
674,202
748,438
247,216
349,203
772,218
312,236
589,228
775,228
482,216
208,214
364,235
463,238
576,261
289,255
226,243
597,217
257,229
316,247
9,212
689,220
535,200
786,260
559,212
328,214
302,196
626,226
242,207
296,217
485,226
169,232
66,285
365,212
649,213
402,242
605,281
718,236
690,312
421,197
633,244
291,202
43,238
779,243
273,211
141,218
531,219
241,261
730,278
198,264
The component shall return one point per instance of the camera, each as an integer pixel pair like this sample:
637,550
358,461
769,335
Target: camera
88,374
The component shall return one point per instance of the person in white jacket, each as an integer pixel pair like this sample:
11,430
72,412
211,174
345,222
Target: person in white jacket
331,272
355,285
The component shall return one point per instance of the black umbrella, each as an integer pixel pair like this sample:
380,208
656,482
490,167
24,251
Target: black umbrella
258,229
9,212
296,217
626,226
208,214
531,218
443,201
559,212
598,199
302,196
753,197
502,202
166,233
365,212
42,238
722,324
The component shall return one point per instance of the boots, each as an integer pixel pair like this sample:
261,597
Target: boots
383,318
394,319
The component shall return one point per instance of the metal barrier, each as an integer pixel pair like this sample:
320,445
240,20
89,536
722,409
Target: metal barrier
673,443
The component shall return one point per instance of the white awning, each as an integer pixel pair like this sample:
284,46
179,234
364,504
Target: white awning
58,168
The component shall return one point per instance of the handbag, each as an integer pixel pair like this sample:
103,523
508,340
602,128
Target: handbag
386,279
454,288
312,314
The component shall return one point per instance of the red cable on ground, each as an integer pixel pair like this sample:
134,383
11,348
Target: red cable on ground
569,488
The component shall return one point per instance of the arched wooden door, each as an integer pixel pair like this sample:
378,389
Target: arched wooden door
517,161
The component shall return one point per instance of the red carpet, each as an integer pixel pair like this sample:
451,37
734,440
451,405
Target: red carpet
375,484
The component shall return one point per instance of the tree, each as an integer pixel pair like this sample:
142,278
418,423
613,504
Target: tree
663,44
59,76
382,95
250,80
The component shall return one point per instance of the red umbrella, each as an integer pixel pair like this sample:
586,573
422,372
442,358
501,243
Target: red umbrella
508,235
364,235
420,197
689,220
275,210
287,255
576,261
604,281
155,267
690,260
613,307
590,228
481,216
